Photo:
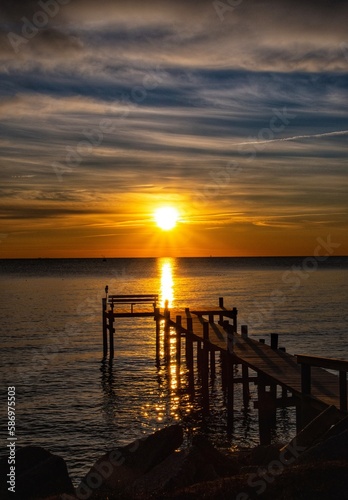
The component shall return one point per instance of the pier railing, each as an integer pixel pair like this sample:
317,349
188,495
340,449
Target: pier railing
340,365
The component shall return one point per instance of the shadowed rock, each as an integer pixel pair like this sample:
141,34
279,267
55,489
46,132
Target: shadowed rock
321,481
120,467
202,462
39,474
334,448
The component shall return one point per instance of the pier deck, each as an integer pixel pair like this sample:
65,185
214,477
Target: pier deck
278,366
212,329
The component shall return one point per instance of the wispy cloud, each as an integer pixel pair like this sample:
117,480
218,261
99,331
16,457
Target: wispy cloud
187,96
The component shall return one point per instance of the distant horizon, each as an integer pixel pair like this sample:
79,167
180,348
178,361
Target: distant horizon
180,257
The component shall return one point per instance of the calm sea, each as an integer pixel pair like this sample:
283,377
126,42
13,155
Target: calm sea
72,404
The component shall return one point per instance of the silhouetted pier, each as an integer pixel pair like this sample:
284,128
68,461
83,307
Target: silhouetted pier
197,334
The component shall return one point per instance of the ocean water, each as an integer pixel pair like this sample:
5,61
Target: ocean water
71,403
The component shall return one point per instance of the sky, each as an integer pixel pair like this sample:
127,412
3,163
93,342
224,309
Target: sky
234,112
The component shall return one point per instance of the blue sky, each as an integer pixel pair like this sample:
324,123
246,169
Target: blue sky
111,109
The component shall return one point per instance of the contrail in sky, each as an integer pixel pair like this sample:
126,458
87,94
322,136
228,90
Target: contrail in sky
282,139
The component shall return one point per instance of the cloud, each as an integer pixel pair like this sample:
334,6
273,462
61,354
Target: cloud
187,97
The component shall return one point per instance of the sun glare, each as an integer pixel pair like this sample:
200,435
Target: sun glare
166,218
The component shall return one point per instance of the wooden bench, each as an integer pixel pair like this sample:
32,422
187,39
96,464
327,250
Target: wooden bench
133,300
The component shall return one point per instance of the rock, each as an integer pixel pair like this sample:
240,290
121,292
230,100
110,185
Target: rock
224,465
341,426
260,455
39,474
310,482
334,448
120,467
315,429
221,489
202,462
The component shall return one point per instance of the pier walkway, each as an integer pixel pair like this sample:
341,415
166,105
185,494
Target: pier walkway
214,329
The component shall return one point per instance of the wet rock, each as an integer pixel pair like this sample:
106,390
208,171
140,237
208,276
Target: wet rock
39,474
119,468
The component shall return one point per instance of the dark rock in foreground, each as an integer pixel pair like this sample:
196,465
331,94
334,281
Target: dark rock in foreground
120,467
39,474
334,448
201,462
319,481
324,481
152,468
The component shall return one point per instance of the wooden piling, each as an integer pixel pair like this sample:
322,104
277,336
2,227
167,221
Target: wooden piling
212,364
189,352
230,392
158,335
265,411
204,355
189,342
221,304
245,372
111,333
105,332
234,322
274,340
230,338
178,340
166,333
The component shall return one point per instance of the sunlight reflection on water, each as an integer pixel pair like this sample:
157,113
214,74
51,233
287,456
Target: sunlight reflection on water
166,267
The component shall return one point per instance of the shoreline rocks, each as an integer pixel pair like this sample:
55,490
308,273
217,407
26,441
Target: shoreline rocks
154,468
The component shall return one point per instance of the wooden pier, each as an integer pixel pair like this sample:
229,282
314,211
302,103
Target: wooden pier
199,333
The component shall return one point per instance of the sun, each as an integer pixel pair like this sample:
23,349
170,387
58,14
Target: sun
166,218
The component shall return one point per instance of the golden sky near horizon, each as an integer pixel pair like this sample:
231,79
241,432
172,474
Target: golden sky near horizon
234,114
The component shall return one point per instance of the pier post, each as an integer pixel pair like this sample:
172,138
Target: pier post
230,392
178,340
189,352
158,342
221,304
111,333
167,333
105,333
235,312
205,367
224,373
212,364
265,410
245,372
274,341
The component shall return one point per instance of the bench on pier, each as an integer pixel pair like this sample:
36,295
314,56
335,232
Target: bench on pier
132,300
